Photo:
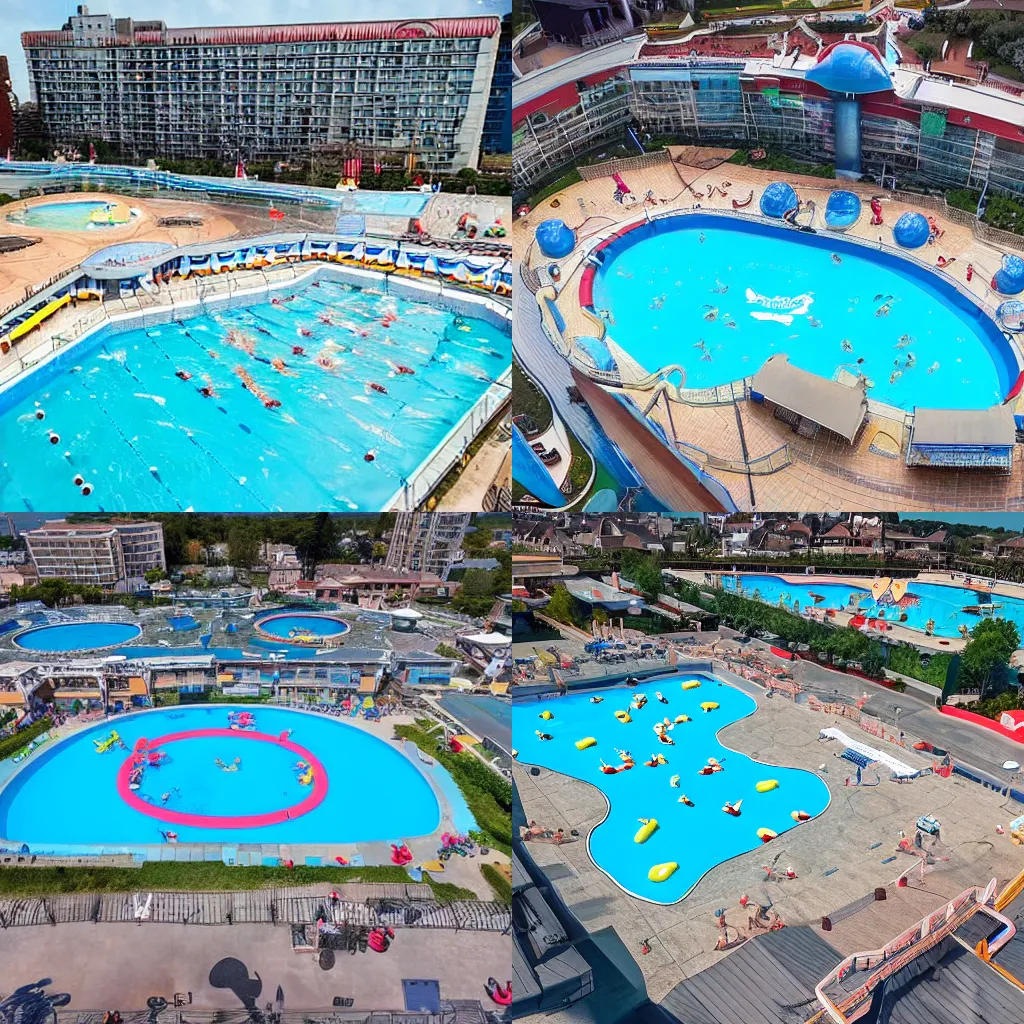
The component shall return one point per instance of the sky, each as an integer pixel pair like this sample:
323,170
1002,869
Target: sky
1007,520
17,16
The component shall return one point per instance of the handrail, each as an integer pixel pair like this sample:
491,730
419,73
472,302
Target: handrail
885,962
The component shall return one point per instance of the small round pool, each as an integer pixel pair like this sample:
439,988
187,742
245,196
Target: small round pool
77,636
296,628
75,216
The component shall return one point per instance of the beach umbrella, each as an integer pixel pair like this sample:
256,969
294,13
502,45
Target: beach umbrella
430,265
402,262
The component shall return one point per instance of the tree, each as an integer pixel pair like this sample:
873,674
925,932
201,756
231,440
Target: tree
562,606
244,540
985,658
380,551
155,574
643,570
317,542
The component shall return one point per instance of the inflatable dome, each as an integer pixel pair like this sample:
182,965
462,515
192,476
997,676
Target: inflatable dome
911,231
1010,315
842,210
555,238
1009,279
777,199
850,67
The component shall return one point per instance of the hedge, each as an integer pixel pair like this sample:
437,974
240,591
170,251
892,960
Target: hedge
10,745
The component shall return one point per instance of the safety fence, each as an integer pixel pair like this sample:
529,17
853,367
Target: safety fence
177,1011
262,906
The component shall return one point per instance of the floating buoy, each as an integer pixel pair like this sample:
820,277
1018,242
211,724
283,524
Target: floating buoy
674,781
79,480
766,835
647,829
54,438
623,716
87,489
682,718
691,684
662,872
587,741
708,705
799,815
546,715
733,809
767,785
40,414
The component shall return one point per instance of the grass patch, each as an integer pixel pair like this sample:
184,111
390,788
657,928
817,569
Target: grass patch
488,795
498,881
783,163
907,661
528,400
573,177
579,470
211,876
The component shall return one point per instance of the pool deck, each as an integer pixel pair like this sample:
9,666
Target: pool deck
821,472
682,936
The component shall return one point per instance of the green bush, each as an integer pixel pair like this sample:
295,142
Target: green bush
10,745
907,661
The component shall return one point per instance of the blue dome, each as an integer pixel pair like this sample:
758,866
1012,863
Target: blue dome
850,68
1010,315
778,198
1009,279
911,231
555,238
842,209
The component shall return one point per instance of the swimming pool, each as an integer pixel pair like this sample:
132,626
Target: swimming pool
76,636
400,204
287,627
75,216
697,838
719,295
174,416
363,789
941,605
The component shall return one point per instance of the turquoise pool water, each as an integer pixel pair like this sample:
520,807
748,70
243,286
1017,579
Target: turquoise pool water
697,838
402,204
285,626
61,216
718,296
144,437
77,636
373,792
923,602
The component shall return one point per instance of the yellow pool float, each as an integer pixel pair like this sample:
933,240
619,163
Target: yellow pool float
708,705
682,718
587,741
691,684
766,835
647,829
767,785
623,716
662,872
546,715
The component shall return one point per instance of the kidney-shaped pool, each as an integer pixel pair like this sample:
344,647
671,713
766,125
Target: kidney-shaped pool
290,777
718,295
694,836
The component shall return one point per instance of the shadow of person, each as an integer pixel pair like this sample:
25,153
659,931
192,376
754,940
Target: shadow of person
233,974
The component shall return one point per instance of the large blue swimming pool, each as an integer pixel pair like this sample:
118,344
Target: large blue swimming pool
697,838
719,295
287,626
69,794
77,636
183,416
944,607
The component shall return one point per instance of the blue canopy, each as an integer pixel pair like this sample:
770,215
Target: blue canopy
849,67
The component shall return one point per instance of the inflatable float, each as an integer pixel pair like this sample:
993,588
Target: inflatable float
733,809
799,815
587,741
647,829
102,746
682,718
379,940
546,715
499,995
400,855
623,716
766,835
662,872
655,760
767,785
691,684
708,705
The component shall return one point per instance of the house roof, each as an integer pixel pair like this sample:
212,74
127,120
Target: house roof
834,406
993,426
839,530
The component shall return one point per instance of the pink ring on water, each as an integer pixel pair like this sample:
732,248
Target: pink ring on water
315,798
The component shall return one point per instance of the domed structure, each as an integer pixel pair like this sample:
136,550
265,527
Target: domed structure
1010,315
842,210
555,238
911,231
777,199
1009,279
850,67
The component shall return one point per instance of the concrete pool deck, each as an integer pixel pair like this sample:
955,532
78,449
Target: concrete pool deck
682,937
725,439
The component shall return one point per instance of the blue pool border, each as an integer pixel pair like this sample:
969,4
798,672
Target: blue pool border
707,673
38,627
145,852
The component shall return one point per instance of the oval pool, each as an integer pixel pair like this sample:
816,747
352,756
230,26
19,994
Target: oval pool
77,636
718,295
697,838
287,627
949,609
75,216
353,796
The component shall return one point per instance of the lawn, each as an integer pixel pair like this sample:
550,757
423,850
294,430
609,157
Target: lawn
209,876
498,879
528,399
